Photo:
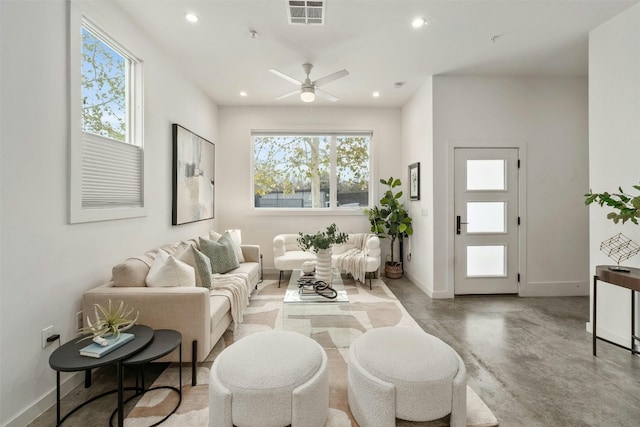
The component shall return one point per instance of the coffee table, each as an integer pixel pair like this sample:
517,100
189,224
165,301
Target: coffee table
325,320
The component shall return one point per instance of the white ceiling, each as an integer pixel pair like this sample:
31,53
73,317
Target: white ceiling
372,39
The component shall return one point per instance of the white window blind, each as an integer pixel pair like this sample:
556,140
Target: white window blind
111,173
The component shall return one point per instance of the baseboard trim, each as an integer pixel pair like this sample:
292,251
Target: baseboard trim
430,292
609,334
554,289
45,402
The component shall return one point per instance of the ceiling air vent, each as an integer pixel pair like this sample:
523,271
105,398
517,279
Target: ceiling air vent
306,12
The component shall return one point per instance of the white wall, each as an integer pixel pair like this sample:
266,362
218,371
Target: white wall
46,263
547,119
614,150
234,199
417,139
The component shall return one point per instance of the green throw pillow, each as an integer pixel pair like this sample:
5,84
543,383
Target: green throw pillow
221,253
203,268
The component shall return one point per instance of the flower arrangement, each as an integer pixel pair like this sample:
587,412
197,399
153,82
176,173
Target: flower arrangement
114,319
322,239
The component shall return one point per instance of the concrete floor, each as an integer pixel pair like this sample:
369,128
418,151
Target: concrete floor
529,359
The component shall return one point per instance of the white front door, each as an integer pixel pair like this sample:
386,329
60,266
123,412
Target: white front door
486,221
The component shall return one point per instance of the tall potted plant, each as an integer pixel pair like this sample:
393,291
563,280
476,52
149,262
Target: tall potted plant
391,220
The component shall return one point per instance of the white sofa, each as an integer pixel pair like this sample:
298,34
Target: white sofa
287,255
198,315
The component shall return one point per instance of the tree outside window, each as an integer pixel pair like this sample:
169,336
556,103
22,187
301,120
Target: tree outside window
311,171
104,86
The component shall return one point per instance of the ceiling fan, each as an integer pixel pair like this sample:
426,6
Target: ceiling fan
308,89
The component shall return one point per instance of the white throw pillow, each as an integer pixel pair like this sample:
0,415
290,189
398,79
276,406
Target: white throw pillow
184,253
236,238
167,271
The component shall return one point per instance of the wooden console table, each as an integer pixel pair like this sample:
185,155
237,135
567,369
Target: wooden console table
629,280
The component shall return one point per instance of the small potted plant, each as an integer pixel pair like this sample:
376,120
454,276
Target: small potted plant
391,220
321,243
109,321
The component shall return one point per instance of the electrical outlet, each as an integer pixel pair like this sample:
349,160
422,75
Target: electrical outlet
78,321
46,333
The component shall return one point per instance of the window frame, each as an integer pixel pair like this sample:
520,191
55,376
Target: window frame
332,209
80,16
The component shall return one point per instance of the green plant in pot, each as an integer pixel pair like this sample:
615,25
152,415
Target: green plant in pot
322,239
321,243
391,220
626,205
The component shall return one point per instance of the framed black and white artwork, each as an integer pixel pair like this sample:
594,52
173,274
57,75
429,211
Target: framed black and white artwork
193,177
414,181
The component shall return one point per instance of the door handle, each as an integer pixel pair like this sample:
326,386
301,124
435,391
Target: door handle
459,223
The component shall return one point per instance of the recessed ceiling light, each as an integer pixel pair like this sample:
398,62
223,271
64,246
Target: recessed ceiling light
243,94
376,94
191,17
418,22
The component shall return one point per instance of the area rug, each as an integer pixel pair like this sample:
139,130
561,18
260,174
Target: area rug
367,309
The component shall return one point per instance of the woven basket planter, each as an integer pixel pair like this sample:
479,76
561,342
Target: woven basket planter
393,270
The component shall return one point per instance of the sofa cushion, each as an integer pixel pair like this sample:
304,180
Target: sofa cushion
219,306
237,241
221,253
252,269
168,271
203,268
184,253
133,271
292,260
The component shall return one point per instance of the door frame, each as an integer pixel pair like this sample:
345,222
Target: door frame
522,204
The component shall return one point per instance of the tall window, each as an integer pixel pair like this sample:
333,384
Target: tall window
104,87
107,158
311,170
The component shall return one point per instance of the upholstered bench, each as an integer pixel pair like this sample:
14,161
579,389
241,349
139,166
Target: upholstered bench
270,379
399,372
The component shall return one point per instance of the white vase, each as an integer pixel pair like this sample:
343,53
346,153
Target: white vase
323,265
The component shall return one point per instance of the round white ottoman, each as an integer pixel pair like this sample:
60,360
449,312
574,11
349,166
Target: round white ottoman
405,373
275,378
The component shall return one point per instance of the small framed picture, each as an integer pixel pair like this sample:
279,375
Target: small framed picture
414,181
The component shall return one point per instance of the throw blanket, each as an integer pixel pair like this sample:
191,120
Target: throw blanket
234,286
354,261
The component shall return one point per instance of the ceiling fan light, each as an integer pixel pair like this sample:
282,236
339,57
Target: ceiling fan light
418,22
307,95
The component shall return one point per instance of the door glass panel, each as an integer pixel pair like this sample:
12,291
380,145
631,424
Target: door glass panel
483,261
486,174
485,217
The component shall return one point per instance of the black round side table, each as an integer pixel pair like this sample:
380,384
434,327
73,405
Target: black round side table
164,342
67,358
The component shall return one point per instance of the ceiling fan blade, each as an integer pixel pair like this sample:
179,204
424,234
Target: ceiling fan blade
331,77
288,94
326,95
286,77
